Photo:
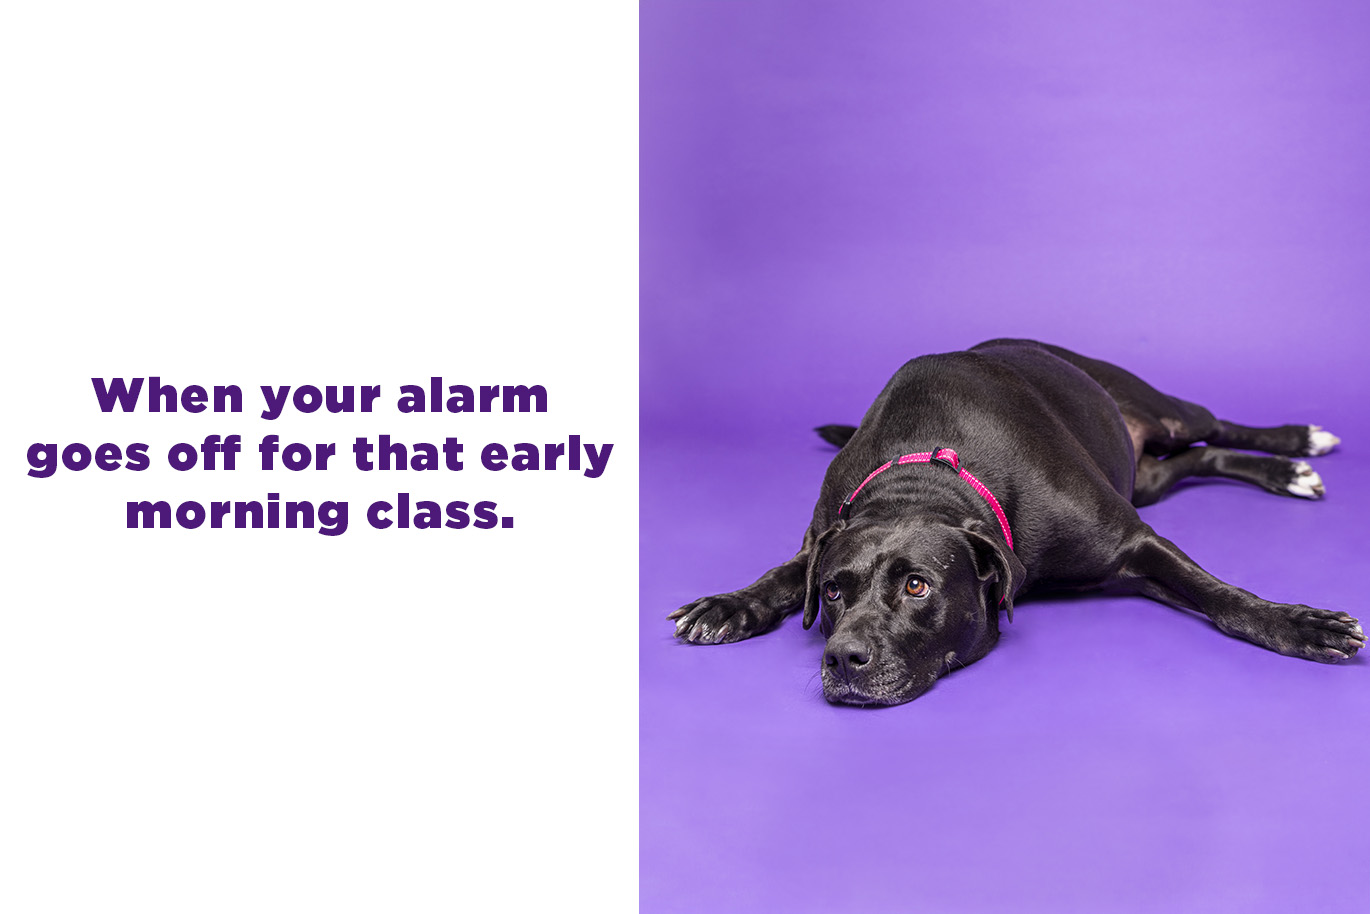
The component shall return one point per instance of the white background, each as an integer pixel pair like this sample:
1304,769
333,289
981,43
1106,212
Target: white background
288,193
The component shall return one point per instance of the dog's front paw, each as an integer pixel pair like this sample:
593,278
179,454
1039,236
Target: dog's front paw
1301,631
722,618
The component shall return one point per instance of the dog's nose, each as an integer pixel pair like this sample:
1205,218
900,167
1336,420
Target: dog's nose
846,656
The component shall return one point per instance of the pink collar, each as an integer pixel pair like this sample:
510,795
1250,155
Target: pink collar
946,456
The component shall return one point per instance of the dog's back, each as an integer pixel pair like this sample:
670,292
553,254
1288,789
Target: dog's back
1004,403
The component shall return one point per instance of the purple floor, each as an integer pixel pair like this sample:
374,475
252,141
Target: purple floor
831,188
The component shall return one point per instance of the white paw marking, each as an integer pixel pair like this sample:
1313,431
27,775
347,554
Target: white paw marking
1320,442
1307,483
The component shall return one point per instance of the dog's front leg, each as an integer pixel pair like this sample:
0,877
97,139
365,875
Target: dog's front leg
1158,568
750,611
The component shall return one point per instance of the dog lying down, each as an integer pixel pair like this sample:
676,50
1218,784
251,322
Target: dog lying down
977,477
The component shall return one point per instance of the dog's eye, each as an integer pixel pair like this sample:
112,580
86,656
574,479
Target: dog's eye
831,591
916,586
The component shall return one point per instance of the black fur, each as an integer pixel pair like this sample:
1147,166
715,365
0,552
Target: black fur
910,580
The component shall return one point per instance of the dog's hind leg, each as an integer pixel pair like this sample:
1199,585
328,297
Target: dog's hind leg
1289,440
1161,424
1274,474
1167,424
753,610
1156,567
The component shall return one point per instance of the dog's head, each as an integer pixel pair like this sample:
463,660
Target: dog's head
904,601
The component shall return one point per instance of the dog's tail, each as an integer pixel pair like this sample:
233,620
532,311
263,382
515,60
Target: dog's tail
836,434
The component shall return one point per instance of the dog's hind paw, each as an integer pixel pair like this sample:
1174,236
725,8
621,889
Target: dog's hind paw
1320,441
1306,482
723,618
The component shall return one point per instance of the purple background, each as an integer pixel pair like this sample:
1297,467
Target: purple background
828,189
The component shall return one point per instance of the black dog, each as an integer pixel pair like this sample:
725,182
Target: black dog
910,556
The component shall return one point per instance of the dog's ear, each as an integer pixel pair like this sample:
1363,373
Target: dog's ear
996,562
813,601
